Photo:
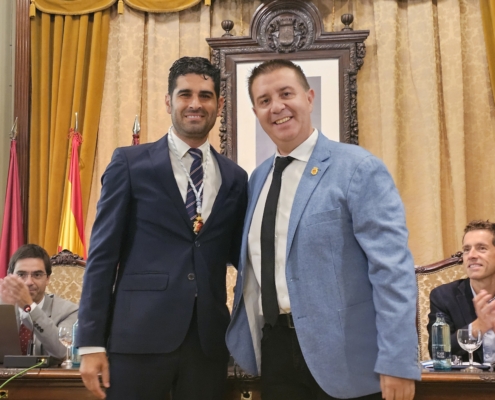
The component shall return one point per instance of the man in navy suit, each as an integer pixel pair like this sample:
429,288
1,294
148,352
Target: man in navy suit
466,302
325,299
169,220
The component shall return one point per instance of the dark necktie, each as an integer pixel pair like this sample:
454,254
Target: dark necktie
196,174
25,335
268,290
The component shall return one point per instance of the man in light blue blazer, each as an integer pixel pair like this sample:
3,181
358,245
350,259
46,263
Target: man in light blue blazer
325,300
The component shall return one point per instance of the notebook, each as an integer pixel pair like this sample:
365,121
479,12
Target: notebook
9,333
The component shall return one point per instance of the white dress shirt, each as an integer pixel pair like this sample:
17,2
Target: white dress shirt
290,181
488,341
212,185
213,177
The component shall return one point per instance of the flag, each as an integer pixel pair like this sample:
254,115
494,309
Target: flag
72,229
12,233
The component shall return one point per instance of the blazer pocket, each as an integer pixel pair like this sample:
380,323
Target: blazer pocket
322,217
152,281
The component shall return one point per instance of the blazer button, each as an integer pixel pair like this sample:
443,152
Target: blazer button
191,277
197,244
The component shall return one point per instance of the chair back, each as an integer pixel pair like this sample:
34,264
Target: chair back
66,279
428,277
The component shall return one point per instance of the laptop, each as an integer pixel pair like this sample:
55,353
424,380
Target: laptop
9,333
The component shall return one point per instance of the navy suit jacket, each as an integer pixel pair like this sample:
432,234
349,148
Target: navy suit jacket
455,300
146,268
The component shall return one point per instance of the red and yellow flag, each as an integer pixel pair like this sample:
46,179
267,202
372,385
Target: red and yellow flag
12,233
72,230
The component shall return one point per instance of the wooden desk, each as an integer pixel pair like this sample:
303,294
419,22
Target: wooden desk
455,385
62,384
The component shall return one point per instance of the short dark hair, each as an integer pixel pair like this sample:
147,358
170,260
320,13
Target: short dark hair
30,251
478,225
273,65
193,65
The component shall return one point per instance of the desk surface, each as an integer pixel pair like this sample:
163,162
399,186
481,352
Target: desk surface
64,384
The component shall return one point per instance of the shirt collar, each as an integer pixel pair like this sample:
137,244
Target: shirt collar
183,148
304,150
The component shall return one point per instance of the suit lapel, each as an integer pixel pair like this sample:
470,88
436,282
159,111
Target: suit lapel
321,160
48,305
160,159
227,182
255,185
464,297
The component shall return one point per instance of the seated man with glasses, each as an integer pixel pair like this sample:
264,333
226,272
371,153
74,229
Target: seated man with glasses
39,314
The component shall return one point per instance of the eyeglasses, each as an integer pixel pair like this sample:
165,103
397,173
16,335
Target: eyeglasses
37,275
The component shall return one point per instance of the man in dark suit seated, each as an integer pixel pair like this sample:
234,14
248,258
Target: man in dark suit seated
39,314
466,302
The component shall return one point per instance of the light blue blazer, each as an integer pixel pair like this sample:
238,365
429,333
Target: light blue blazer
349,273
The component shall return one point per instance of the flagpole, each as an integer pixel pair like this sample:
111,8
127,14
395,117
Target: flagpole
12,236
135,131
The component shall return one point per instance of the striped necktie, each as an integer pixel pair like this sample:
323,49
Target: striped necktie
196,174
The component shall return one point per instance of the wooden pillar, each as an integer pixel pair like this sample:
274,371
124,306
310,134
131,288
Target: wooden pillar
21,99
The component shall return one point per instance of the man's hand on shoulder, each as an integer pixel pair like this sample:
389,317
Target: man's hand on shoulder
91,365
394,388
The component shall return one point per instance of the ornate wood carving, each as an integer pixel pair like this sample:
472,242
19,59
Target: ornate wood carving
66,257
21,99
448,262
290,29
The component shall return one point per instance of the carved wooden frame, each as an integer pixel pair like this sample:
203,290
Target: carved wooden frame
289,29
66,257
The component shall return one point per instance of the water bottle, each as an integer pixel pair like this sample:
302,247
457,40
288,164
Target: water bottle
440,334
75,357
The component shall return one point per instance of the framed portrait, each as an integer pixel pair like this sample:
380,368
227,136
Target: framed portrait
253,144
293,30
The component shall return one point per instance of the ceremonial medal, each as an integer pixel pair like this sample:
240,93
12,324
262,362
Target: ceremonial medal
197,224
198,193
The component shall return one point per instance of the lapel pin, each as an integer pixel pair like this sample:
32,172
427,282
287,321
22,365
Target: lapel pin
314,171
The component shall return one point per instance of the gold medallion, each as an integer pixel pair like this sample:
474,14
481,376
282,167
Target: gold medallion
197,224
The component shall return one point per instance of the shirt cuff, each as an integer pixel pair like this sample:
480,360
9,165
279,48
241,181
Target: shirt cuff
90,350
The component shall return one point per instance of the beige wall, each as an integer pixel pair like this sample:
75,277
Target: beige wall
7,39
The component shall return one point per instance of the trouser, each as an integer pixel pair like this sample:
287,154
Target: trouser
284,373
186,373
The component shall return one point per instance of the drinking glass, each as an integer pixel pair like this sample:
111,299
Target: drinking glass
469,341
65,336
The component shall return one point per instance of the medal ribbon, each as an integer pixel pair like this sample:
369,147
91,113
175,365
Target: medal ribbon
197,192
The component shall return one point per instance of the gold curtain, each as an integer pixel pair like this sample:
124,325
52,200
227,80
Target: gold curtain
488,15
159,6
68,56
424,100
79,7
425,107
72,7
